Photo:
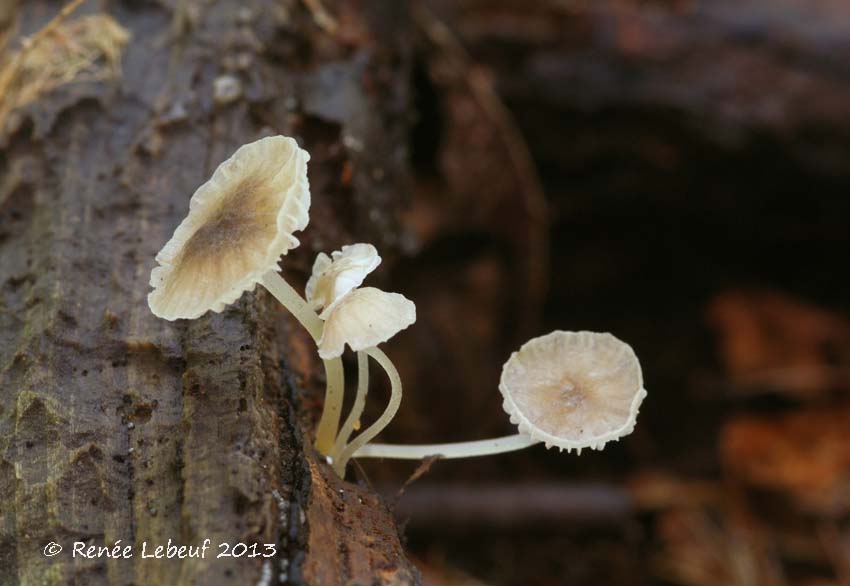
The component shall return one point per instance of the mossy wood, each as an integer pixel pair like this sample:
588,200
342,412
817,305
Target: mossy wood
116,425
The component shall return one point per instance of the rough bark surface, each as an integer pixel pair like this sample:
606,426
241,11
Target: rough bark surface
115,425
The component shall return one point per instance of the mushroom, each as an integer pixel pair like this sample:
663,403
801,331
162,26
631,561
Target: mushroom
572,390
361,318
364,318
239,224
334,276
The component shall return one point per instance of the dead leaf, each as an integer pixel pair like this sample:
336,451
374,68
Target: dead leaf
770,341
805,454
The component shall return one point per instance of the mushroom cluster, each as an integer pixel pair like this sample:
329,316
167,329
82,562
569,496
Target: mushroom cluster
361,319
572,390
240,223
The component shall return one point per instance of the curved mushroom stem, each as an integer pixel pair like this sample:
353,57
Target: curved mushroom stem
357,409
486,447
385,418
292,301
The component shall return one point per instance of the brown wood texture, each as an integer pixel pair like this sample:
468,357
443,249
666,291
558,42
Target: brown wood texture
115,425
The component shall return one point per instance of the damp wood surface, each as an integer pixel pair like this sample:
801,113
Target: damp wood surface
115,425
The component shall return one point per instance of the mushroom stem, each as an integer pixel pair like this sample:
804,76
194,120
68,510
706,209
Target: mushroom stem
383,420
332,411
456,450
292,301
356,409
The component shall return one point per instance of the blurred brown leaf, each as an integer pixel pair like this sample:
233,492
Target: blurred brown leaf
770,341
805,454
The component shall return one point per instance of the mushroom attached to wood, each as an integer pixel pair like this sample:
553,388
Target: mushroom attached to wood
239,224
362,319
573,390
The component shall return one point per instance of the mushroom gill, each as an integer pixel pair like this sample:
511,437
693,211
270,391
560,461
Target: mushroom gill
239,223
573,390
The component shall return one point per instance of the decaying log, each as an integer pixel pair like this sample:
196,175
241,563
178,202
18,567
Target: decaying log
115,425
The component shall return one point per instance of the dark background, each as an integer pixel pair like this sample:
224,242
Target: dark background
693,200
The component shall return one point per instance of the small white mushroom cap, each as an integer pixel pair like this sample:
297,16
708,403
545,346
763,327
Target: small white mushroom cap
573,390
364,318
333,278
239,224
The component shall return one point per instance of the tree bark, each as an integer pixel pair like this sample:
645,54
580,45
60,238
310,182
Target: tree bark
115,425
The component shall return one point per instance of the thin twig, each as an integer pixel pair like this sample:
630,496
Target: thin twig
321,16
421,470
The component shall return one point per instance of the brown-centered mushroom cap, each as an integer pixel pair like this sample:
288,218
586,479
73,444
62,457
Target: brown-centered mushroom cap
573,390
239,224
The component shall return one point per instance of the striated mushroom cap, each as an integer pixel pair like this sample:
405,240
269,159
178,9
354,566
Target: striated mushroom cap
239,224
364,318
573,390
333,278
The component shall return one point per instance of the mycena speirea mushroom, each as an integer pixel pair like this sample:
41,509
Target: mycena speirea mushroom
336,275
239,224
572,390
333,277
361,319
